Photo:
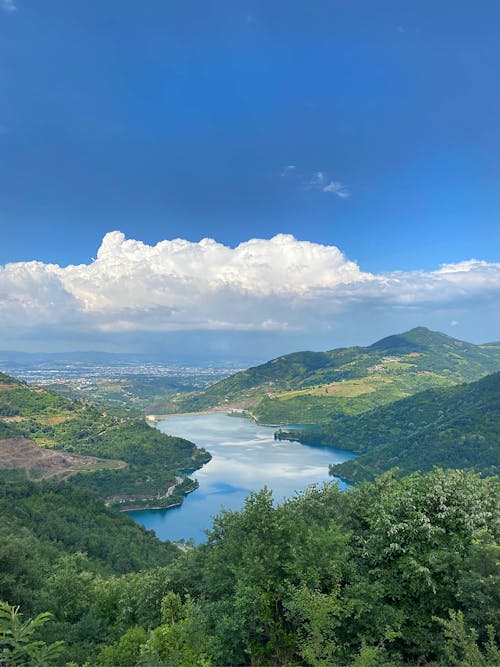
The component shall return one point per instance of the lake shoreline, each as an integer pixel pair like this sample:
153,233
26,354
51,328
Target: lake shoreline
178,503
147,509
208,411
245,458
230,412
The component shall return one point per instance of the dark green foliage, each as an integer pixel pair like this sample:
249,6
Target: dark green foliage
254,566
391,573
27,403
7,430
126,652
411,538
56,542
24,563
373,576
461,647
69,519
91,611
457,427
18,642
155,460
136,487
418,340
137,443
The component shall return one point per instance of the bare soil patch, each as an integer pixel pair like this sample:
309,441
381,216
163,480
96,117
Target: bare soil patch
40,463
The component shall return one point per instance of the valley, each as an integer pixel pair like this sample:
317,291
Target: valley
399,402
420,402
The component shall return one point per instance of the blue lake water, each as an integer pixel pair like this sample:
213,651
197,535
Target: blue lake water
245,457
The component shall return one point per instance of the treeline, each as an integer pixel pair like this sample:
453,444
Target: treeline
58,518
395,572
59,543
25,402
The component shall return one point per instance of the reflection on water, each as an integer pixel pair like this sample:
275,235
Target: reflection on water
245,457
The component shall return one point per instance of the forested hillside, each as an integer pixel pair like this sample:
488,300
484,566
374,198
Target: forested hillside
313,387
456,427
120,457
58,543
392,573
60,518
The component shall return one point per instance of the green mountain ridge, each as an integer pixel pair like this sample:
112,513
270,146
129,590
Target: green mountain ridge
453,427
314,387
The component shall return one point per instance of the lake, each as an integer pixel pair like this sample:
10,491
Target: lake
245,457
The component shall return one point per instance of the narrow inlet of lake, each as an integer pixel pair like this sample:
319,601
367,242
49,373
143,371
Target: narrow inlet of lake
245,457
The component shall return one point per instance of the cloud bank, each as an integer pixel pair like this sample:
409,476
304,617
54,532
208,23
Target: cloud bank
280,284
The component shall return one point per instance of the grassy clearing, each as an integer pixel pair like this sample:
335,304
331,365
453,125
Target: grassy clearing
345,389
314,406
53,419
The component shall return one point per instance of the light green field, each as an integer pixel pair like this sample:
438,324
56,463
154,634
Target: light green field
346,389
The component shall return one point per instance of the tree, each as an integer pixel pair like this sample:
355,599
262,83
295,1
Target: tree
18,645
126,652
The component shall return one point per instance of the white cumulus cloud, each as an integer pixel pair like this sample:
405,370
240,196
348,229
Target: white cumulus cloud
278,284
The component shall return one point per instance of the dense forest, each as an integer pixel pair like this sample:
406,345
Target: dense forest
454,427
395,572
55,542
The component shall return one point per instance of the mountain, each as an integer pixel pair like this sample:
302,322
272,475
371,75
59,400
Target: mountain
454,427
314,387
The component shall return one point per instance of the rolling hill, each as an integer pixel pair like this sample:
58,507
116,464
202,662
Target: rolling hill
314,387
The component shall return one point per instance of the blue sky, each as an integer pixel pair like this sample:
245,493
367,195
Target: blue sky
369,126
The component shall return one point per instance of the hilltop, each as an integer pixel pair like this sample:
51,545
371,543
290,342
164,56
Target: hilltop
314,387
454,427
